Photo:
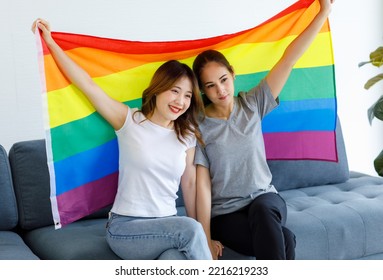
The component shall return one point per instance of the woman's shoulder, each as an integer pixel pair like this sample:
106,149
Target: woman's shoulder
260,87
136,115
252,96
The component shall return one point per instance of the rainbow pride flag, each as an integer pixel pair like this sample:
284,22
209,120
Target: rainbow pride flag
82,148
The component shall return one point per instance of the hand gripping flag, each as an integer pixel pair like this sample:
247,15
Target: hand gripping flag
82,148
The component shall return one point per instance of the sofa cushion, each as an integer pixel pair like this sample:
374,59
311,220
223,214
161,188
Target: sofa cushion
82,240
31,182
292,174
8,208
338,221
12,247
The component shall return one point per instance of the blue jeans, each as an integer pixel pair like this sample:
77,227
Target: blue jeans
173,237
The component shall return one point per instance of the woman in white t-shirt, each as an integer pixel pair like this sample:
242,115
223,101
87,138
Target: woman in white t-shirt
156,153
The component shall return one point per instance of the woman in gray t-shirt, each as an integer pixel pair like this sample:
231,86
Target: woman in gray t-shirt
236,203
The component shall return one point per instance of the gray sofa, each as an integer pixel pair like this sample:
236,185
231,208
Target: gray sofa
334,213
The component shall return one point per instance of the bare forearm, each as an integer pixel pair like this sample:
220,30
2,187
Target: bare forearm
189,196
79,77
188,184
204,199
299,46
279,74
204,214
204,217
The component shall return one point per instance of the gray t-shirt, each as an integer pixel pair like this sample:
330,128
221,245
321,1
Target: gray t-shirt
235,151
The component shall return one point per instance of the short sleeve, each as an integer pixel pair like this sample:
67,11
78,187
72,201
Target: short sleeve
201,157
128,120
260,98
191,141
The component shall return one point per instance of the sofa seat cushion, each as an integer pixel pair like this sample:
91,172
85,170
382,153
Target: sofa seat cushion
81,240
12,247
339,221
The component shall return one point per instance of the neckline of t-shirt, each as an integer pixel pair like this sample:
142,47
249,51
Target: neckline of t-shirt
144,119
231,116
160,127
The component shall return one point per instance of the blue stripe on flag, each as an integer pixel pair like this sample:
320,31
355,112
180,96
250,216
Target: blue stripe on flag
293,116
86,167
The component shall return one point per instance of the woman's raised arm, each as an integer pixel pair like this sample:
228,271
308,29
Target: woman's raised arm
279,74
112,110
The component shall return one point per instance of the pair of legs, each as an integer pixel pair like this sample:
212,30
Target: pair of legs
257,229
172,237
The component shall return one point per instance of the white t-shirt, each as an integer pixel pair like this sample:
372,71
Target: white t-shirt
151,163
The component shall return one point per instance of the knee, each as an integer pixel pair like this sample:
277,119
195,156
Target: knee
264,211
191,225
267,207
191,230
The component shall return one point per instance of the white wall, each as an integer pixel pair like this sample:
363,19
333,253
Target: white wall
357,28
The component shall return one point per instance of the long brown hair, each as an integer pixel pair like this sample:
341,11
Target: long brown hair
164,79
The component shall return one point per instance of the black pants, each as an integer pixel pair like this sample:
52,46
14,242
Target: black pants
257,229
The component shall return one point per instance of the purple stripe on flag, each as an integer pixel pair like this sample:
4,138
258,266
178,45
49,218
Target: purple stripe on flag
301,145
101,192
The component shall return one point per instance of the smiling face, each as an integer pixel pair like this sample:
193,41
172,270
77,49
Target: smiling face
218,83
173,102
